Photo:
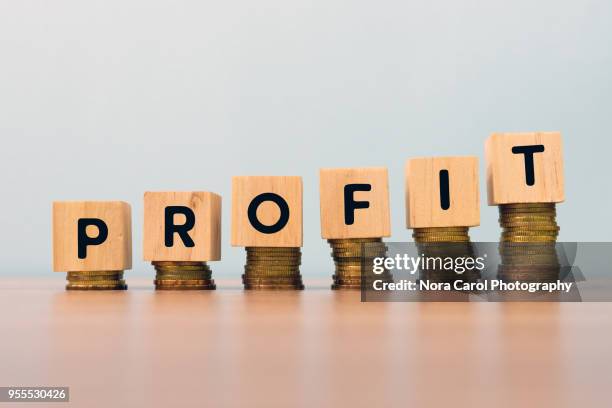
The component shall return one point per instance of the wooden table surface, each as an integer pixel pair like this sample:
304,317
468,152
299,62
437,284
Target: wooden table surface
307,349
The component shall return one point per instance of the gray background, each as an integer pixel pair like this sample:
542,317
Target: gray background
107,99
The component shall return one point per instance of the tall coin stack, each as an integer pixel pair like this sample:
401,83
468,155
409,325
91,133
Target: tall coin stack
354,259
528,242
273,268
95,280
181,275
528,222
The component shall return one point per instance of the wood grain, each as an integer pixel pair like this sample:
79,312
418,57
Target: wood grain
312,348
423,207
206,233
113,254
372,222
506,170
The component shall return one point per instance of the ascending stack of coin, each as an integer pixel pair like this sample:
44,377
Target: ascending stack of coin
528,222
179,275
528,240
95,280
441,243
353,259
273,268
529,262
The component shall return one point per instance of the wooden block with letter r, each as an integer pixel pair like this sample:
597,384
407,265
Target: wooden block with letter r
524,168
182,226
442,192
354,203
267,211
92,236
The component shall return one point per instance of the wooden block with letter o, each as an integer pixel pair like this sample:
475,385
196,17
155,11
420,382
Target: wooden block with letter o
182,226
442,192
524,168
354,203
92,236
267,211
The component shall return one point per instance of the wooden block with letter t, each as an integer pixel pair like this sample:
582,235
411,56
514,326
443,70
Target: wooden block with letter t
524,168
182,226
442,192
354,203
267,211
92,236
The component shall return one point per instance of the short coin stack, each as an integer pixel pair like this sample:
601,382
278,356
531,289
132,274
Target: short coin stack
354,258
179,275
95,280
273,268
528,222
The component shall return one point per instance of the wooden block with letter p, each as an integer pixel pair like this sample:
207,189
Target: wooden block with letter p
524,168
92,236
442,192
267,211
182,226
354,203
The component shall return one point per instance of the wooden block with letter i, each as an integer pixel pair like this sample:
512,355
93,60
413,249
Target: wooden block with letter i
354,203
442,192
92,241
524,168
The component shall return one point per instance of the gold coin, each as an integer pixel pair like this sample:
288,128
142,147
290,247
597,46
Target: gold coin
262,250
178,263
85,273
94,278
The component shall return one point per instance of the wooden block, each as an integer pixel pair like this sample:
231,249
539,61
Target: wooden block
344,195
92,236
182,226
267,211
442,192
524,168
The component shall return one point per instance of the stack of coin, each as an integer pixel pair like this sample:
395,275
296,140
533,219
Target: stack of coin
175,275
441,234
273,268
529,262
95,280
354,259
440,243
528,242
528,222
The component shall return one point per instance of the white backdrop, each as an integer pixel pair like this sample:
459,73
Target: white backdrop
107,99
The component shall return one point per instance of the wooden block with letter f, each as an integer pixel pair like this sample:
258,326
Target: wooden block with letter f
355,217
354,203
